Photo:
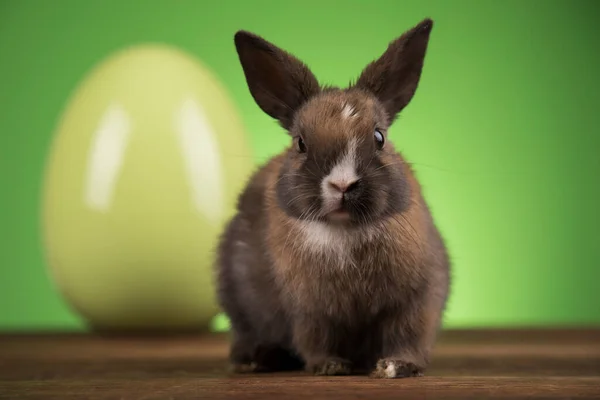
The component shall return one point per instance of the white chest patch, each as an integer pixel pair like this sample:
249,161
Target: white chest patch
323,238
333,243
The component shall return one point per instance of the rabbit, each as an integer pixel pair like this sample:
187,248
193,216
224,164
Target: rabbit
332,262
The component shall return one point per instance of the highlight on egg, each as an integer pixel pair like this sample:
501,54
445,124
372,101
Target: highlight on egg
145,166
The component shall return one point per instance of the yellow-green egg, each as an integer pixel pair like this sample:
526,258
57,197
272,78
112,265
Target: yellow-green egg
143,173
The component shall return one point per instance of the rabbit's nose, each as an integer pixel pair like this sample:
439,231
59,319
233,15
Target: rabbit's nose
343,186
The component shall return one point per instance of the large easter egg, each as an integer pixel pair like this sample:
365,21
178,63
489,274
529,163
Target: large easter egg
145,167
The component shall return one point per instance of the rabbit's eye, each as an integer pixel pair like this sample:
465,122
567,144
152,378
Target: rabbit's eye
379,139
300,146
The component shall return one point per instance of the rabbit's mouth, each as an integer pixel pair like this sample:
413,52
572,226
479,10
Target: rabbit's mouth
335,208
340,214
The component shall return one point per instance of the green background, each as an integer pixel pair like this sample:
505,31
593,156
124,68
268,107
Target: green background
503,131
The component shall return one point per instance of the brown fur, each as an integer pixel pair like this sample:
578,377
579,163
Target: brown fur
373,300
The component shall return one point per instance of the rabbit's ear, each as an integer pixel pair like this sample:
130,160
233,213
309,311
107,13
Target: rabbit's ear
278,82
394,77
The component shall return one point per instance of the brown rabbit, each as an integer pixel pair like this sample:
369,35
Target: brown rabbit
333,262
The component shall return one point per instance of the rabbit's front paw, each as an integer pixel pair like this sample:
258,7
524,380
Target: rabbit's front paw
331,366
394,368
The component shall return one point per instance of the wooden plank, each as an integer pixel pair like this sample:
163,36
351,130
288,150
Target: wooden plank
467,364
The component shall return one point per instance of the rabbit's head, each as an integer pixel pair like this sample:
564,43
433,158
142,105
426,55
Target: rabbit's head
340,168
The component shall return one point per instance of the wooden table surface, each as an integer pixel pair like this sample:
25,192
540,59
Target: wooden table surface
557,364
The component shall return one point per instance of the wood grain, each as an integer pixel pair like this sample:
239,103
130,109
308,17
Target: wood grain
552,364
